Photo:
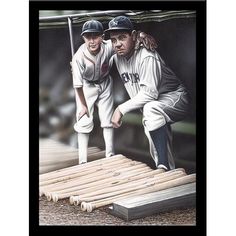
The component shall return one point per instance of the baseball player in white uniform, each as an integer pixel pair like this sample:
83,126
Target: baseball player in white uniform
90,66
93,85
152,87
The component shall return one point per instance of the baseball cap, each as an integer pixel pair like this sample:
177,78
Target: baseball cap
120,23
92,26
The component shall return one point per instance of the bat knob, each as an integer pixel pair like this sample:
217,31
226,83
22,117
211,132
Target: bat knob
71,200
55,197
76,201
89,207
49,197
83,206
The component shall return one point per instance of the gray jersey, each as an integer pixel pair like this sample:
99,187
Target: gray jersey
146,77
153,87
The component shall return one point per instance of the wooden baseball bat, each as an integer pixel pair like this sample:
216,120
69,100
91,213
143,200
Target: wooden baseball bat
68,178
90,164
104,161
97,184
126,188
106,168
61,194
80,171
92,178
73,186
115,180
80,181
49,192
121,183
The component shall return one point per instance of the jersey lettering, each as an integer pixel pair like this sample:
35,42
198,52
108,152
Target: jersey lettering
129,77
104,67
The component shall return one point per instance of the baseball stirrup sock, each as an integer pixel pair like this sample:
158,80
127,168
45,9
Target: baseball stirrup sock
159,138
83,139
108,134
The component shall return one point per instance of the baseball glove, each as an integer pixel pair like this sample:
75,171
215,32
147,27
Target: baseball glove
145,40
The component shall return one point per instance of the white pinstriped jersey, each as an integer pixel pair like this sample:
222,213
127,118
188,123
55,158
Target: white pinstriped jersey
145,77
89,67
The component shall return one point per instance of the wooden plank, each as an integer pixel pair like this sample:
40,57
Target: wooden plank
153,203
54,155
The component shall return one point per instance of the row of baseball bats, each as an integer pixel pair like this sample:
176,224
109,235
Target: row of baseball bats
101,182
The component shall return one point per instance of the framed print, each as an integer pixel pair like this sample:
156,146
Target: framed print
117,116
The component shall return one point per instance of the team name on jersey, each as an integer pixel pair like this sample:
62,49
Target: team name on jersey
104,67
130,77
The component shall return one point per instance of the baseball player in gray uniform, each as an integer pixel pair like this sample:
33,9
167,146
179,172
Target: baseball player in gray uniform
152,87
93,85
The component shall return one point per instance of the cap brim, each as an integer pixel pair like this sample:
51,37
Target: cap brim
91,31
117,29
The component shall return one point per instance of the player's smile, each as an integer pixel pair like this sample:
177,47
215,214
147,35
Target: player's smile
93,46
93,42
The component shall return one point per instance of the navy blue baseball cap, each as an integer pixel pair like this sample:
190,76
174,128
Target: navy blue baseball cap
120,23
92,26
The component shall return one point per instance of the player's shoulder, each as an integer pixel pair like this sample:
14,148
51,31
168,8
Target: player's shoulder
107,44
114,57
80,51
144,53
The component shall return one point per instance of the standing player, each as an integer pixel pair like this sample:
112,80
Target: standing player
152,87
93,85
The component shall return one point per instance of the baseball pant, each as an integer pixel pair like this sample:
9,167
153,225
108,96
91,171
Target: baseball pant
100,95
169,108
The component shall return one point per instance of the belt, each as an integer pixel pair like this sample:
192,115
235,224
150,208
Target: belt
96,81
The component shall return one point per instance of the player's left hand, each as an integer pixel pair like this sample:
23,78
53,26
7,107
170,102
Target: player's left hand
84,111
116,118
146,40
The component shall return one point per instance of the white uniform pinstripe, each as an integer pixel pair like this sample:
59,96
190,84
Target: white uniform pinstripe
155,89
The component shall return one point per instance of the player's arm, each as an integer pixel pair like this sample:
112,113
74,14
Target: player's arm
149,82
84,108
116,118
77,69
149,79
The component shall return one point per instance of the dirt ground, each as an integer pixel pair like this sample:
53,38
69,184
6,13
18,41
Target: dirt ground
62,213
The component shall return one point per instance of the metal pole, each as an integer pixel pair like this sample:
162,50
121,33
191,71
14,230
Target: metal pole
71,36
72,46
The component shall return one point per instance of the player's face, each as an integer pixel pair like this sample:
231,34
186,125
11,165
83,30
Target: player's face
93,42
123,43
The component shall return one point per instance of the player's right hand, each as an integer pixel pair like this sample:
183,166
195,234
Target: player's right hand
116,118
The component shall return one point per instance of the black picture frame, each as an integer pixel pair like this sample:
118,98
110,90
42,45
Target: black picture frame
200,7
